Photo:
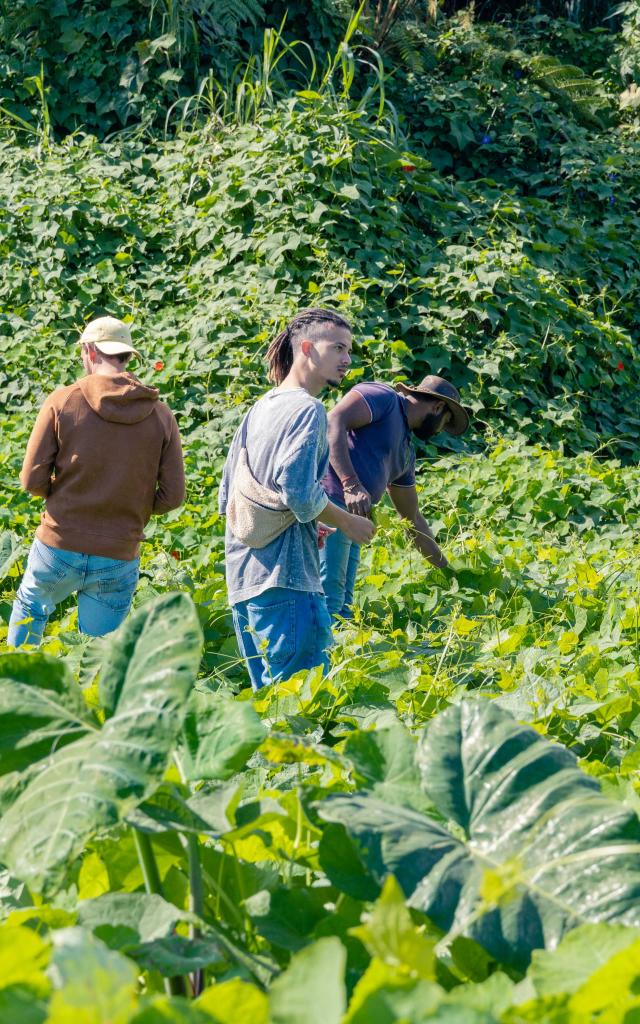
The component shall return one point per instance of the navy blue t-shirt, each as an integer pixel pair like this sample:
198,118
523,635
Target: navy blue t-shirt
381,452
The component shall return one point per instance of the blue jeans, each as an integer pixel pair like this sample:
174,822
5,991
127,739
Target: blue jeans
339,560
105,589
280,632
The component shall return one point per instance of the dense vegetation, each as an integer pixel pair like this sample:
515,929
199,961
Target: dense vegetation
445,828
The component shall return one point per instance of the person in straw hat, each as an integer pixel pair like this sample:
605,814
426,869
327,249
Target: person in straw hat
371,451
105,455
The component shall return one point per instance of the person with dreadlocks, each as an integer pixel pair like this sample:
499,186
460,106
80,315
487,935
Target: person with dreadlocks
272,496
370,438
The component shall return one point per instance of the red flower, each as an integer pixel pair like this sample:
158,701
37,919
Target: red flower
159,365
176,555
407,168
620,366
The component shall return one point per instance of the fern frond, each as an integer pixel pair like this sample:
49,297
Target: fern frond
570,86
407,43
217,18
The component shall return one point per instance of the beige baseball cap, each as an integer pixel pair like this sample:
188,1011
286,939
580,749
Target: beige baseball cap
110,336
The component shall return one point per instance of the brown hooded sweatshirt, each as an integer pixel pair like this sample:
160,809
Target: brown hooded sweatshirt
106,455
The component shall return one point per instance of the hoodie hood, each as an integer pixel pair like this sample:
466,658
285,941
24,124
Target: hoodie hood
118,399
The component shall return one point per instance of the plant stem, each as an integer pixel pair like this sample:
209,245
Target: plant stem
196,901
153,885
148,863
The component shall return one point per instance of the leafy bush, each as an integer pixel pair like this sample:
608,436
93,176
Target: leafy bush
104,65
503,292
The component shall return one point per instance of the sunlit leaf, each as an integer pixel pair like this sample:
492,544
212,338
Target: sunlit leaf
147,674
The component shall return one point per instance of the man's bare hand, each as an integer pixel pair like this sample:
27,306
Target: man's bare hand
358,500
323,533
358,529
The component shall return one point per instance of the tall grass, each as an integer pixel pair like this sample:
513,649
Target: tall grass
287,69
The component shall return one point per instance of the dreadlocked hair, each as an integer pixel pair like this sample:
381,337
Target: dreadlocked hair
280,351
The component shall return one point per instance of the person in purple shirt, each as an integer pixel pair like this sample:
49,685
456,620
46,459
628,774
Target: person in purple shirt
371,452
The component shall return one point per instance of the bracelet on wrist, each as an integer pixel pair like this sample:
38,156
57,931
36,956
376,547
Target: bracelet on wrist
345,479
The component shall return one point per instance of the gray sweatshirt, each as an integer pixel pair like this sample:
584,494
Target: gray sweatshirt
288,453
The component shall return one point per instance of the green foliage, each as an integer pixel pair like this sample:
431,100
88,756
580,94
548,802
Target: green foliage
628,46
473,210
527,308
502,852
526,867
570,86
94,781
312,988
99,65
219,736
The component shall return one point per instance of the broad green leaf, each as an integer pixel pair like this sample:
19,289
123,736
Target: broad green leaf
42,915
534,851
13,894
567,641
390,935
142,925
156,650
169,1010
10,551
492,996
274,829
288,916
20,1004
340,861
93,879
581,952
385,763
385,994
312,988
146,915
215,805
176,955
612,993
41,709
283,748
235,1002
169,810
522,800
369,839
23,958
94,782
219,736
91,981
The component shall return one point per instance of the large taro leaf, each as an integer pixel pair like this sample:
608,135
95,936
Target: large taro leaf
90,982
41,709
384,762
172,810
131,917
312,988
10,550
219,736
533,850
148,670
142,926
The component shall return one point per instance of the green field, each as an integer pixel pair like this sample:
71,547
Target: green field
445,828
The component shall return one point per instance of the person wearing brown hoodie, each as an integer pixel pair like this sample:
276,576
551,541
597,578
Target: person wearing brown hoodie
105,454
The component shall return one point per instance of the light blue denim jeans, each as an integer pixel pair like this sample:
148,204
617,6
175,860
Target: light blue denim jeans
105,588
280,632
339,561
